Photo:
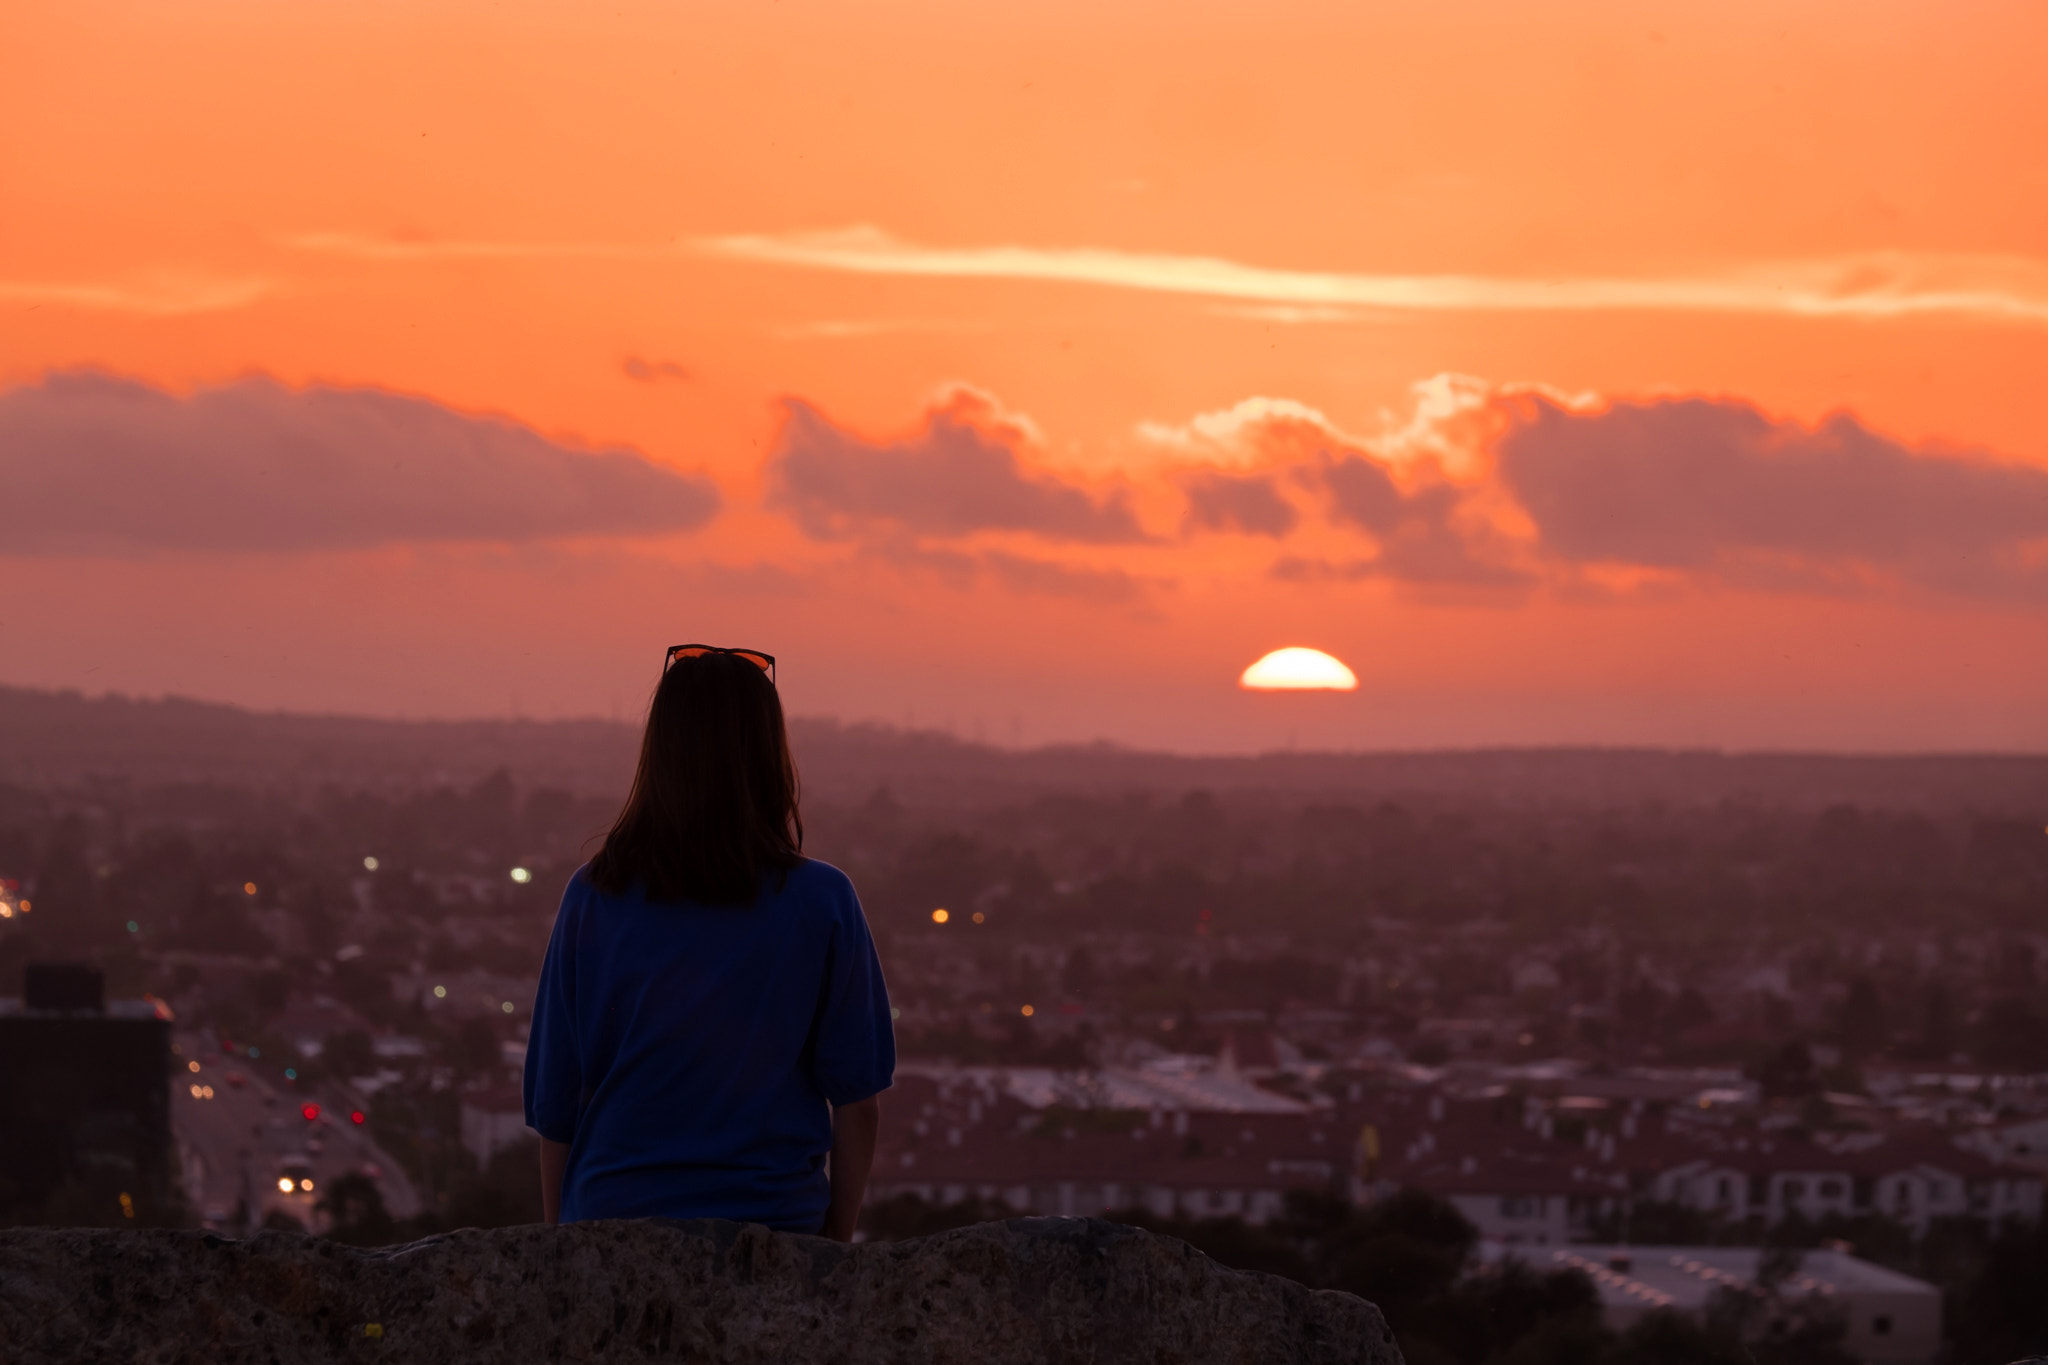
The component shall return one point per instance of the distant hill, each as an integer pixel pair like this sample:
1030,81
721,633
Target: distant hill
65,738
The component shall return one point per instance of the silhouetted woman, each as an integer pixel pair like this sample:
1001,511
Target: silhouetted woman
711,1020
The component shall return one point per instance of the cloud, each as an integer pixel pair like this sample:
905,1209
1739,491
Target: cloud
1701,485
1397,488
394,250
90,463
653,371
1421,556
1247,503
163,294
959,473
962,570
1872,286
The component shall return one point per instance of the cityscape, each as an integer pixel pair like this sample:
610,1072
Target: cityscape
1581,1022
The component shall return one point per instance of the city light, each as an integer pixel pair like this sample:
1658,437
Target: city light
284,1183
22,905
133,927
310,1110
939,917
1028,1011
507,1007
127,1205
440,992
195,1091
248,888
521,875
355,1116
369,864
306,1185
979,917
291,1073
191,1066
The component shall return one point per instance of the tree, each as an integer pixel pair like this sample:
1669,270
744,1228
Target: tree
504,1194
474,1049
2000,1313
1664,1337
349,1052
355,1210
1787,1072
1865,1028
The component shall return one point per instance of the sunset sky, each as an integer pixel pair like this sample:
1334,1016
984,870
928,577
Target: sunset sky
1575,373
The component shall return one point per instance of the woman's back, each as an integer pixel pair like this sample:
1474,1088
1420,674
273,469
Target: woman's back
688,1053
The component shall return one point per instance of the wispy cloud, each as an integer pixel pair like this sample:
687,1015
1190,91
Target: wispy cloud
365,247
158,294
1874,286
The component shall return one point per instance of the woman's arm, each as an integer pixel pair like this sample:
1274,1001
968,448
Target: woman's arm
554,1164
853,1152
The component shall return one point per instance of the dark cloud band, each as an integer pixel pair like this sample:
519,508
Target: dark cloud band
93,464
1715,486
958,474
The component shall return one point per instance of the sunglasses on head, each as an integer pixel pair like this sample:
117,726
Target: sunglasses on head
764,662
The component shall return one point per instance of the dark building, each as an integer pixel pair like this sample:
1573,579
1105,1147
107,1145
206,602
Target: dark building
85,1118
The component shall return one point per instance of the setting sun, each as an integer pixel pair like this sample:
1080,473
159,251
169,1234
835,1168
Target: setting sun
1297,669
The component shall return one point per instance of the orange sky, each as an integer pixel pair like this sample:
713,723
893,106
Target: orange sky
648,227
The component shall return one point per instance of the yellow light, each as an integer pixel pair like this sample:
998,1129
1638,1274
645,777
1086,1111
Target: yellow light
305,1184
369,864
21,906
248,888
195,1092
440,992
521,875
1028,1011
978,917
284,1183
191,1066
1295,669
939,917
206,1092
507,1007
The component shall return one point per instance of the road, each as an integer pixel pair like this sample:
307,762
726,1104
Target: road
240,1138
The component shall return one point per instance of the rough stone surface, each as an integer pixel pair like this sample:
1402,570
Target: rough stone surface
1033,1289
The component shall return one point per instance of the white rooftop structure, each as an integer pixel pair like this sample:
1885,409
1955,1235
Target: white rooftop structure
1892,1319
1169,1083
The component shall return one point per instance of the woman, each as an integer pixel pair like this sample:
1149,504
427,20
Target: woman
711,1020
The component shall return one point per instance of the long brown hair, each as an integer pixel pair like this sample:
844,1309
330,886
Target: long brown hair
713,807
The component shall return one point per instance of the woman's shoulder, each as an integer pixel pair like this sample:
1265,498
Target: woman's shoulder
818,889
814,878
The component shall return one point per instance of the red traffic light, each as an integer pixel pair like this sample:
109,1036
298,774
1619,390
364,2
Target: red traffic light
356,1116
311,1111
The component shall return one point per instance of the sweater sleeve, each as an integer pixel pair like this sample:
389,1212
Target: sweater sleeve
554,1067
854,1041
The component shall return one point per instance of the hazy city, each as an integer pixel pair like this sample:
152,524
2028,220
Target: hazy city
1552,990
1024,684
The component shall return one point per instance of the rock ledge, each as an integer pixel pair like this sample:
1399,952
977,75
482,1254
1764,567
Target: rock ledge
1029,1290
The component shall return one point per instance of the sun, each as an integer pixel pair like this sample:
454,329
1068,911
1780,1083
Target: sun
1296,669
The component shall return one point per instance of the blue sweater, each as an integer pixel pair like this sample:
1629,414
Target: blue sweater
689,1054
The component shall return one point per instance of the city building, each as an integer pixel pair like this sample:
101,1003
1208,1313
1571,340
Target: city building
84,1097
1888,1318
